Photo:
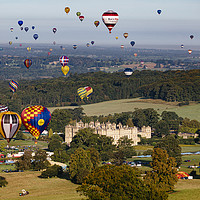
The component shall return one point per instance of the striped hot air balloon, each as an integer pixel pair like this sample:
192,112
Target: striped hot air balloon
3,108
36,119
13,85
82,92
64,60
110,18
10,123
28,63
128,72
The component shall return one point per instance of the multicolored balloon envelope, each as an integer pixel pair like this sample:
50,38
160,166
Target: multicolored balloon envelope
128,71
28,63
36,119
81,18
81,92
10,123
13,85
64,60
110,18
3,108
89,91
65,70
67,9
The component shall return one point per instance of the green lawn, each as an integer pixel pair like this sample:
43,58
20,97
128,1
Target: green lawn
39,189
124,105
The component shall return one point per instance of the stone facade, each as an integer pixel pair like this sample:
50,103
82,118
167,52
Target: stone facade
110,130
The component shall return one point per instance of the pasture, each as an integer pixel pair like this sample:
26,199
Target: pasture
125,105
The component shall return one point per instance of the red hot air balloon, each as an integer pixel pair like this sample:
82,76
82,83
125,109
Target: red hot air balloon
28,63
81,18
189,51
110,18
64,60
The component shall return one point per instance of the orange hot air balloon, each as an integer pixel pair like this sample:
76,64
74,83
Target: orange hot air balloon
125,35
28,63
10,123
65,70
67,9
135,54
116,38
189,51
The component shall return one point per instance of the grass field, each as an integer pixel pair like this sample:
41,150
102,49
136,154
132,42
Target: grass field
39,189
125,105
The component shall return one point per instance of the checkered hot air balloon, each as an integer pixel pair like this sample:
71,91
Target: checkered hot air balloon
10,123
64,60
13,85
110,18
36,119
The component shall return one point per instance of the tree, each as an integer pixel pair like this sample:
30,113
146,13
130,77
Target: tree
24,163
52,171
171,145
54,144
60,155
114,182
80,165
50,132
3,181
94,157
40,160
163,174
162,128
20,136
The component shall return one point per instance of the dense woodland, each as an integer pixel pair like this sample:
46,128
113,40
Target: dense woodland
169,86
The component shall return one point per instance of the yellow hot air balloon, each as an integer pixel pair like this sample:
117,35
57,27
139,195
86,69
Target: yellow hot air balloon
67,9
116,38
65,70
10,42
50,49
10,123
28,48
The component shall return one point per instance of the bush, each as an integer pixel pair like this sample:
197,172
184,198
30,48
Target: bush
52,171
3,181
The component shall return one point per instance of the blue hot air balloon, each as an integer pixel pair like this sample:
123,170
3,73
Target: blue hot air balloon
20,22
26,29
132,43
128,71
159,11
33,27
35,36
92,42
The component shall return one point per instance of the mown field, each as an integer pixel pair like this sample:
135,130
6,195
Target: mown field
125,105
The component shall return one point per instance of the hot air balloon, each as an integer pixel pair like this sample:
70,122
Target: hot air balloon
28,63
110,18
35,36
16,38
88,44
92,42
3,108
75,46
10,42
11,29
54,30
135,54
191,36
78,14
64,60
10,123
13,85
159,11
122,46
132,43
20,45
89,91
21,28
182,46
36,119
65,69
125,35
50,49
128,71
82,92
81,18
96,23
116,38
54,43
67,9
189,51
33,27
49,53
20,22
26,29
28,48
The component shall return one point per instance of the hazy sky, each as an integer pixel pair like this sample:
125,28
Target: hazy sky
178,20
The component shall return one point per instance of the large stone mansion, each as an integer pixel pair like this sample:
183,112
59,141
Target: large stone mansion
110,130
